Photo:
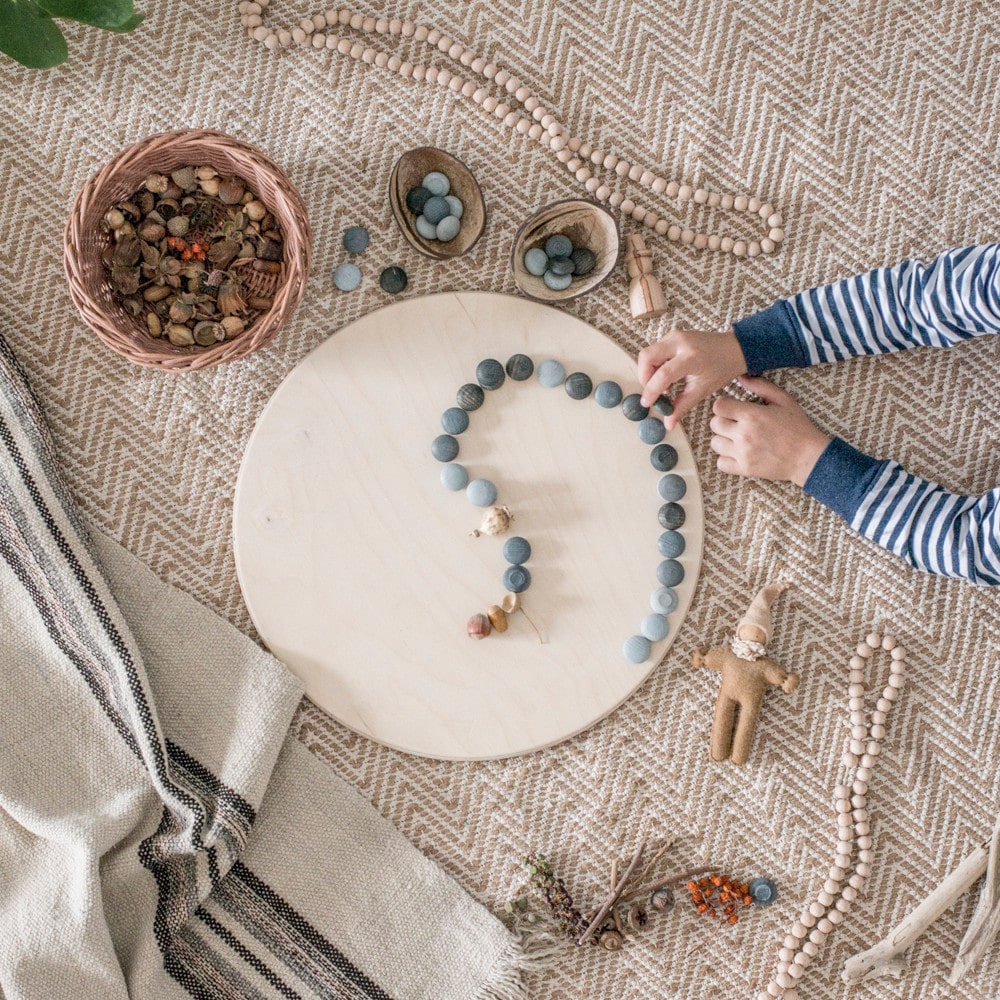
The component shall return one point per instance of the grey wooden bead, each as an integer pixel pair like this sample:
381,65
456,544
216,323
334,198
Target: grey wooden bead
448,227
671,516
444,447
435,209
655,627
578,385
557,282
671,487
670,573
454,420
355,239
520,367
470,396
517,550
454,476
632,407
670,544
437,183
535,261
481,493
426,228
490,374
584,260
636,649
651,430
663,457
663,600
517,579
551,373
560,265
663,406
558,245
608,394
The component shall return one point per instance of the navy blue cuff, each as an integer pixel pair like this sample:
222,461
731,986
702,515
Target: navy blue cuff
770,339
842,477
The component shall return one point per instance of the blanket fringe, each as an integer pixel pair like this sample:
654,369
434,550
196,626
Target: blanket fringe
525,952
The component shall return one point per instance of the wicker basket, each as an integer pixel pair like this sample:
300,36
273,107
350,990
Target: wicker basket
83,242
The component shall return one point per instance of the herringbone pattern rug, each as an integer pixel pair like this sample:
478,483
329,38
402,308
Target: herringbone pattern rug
875,128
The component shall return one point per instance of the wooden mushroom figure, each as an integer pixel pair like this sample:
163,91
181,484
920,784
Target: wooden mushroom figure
746,675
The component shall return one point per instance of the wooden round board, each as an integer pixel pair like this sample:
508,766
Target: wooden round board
360,570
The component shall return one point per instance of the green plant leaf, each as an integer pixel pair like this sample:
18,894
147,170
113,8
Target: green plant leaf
99,13
132,23
28,35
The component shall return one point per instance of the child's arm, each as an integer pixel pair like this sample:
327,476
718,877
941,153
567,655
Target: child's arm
953,298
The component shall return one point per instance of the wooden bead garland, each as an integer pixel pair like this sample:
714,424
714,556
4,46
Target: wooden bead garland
581,158
490,376
853,858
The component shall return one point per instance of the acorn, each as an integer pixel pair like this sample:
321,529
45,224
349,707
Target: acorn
511,603
478,627
497,617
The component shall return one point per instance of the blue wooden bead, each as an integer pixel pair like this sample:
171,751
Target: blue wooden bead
636,649
416,198
517,579
517,550
655,627
651,430
454,476
670,573
663,457
490,373
520,367
663,406
355,239
551,373
455,204
608,394
560,265
558,246
633,409
437,183
347,277
557,282
672,487
435,209
393,280
426,229
671,515
454,420
663,600
444,447
448,228
481,493
536,261
763,890
579,385
670,544
584,260
470,396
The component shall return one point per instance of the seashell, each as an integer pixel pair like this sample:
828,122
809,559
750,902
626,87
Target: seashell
511,603
495,521
478,627
497,617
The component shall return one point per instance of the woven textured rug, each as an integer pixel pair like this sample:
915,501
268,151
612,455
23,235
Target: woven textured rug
874,129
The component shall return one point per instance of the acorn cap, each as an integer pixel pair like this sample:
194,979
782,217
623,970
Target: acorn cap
759,612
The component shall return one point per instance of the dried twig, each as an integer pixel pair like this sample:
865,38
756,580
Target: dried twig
613,898
661,883
656,857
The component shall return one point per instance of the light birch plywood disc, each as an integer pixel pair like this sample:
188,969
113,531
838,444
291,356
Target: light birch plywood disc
359,569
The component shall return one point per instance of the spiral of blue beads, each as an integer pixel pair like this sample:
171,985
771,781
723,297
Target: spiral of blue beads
671,487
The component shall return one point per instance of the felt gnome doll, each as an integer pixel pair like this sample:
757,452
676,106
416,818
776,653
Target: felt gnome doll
746,675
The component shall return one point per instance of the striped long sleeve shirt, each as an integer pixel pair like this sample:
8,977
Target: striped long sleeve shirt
953,298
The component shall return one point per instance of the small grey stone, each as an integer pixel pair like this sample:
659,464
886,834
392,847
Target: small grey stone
536,261
663,457
671,516
426,229
416,198
517,550
651,430
672,487
670,544
435,209
670,573
584,260
551,373
437,183
517,579
455,204
393,280
481,493
560,265
448,228
557,282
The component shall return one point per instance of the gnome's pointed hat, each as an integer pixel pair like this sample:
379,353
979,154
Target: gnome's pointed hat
759,612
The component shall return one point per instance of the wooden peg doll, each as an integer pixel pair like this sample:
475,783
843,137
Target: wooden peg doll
645,297
746,675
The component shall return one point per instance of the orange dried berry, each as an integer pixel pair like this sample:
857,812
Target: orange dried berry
703,907
715,879
712,913
734,919
692,886
748,900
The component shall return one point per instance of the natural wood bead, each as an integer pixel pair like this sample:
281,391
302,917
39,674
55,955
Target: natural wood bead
661,227
343,46
616,199
765,210
783,979
726,202
510,119
701,241
753,205
502,76
861,787
480,94
419,72
260,33
584,149
831,886
634,172
564,156
835,917
432,74
524,126
646,178
395,26
891,693
622,168
368,24
726,245
673,189
455,51
299,36
433,36
817,936
810,948
740,203
808,919
874,748
271,42
768,245
583,175
558,143
700,196
394,63
591,184
798,967
859,732
753,249
307,25
467,57
774,990
610,161
443,76
252,21
284,38
687,236
490,105
777,235
786,954
639,214
490,70
684,192
357,20
740,248
775,221
477,64
857,662
714,242
548,123
865,855
659,185
714,198
799,930
382,26
849,759
824,925
603,192
444,43
863,868
535,131
864,843
408,30
468,88
817,909
574,163
674,233
627,205
898,653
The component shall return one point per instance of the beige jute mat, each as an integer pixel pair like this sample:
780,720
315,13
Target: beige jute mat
874,129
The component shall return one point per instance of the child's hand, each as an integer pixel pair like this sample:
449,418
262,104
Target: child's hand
705,362
776,440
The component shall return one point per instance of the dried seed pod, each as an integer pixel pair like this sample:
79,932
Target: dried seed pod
205,173
222,253
157,292
181,311
173,191
229,300
255,210
115,218
132,304
497,617
261,302
125,279
478,627
128,250
157,183
131,210
610,941
635,917
662,900
170,265
185,178
511,603
232,325
231,191
145,202
495,521
167,208
270,250
179,336
207,333
151,254
152,231
154,325
267,266
210,185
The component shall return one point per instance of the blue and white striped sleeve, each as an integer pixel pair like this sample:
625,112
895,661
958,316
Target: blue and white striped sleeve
953,298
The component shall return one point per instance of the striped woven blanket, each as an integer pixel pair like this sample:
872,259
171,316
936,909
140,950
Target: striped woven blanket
161,834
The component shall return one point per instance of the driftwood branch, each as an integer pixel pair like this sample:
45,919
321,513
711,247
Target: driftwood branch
887,957
613,898
985,920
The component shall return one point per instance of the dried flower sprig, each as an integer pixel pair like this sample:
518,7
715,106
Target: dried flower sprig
556,895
